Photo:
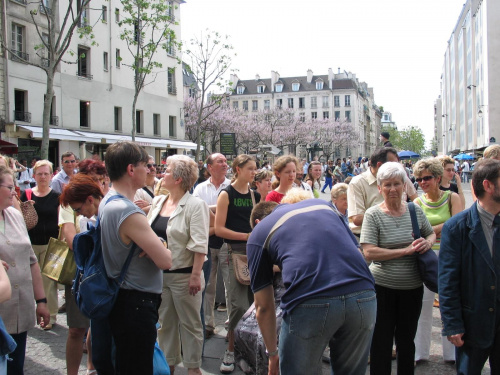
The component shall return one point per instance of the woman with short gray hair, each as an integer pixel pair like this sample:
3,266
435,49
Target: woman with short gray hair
387,241
339,200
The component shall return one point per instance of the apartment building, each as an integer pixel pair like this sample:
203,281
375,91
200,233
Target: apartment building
339,96
93,87
470,87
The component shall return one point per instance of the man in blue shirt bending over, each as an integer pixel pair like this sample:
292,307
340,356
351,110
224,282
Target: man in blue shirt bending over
330,297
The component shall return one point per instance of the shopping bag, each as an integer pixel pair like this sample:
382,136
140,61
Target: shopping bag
59,263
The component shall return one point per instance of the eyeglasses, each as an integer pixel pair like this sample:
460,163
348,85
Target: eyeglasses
151,165
78,210
69,161
425,178
11,188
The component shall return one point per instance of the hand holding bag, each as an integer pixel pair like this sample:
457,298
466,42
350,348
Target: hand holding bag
59,263
29,213
427,262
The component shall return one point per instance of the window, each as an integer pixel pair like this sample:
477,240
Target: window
84,16
240,90
138,122
118,58
45,7
295,86
325,102
117,15
245,105
172,130
172,89
21,106
104,14
118,119
290,102
84,62
302,102
235,105
156,124
170,11
255,105
18,43
260,89
314,115
314,102
170,47
302,116
348,115
279,103
319,85
348,100
326,114
105,61
337,115
192,92
336,101
267,104
279,87
84,114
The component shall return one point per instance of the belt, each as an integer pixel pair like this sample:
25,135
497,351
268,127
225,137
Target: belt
180,270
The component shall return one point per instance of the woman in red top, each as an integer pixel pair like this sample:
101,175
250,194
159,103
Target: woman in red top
285,170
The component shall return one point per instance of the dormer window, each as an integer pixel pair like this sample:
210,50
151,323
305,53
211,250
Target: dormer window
240,90
279,87
295,86
319,85
261,89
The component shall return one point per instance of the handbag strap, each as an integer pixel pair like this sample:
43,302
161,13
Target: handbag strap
252,194
414,221
147,191
28,193
290,214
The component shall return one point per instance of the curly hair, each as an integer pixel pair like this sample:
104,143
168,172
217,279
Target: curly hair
282,162
432,165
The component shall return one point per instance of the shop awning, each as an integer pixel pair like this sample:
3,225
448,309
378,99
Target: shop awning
7,147
106,138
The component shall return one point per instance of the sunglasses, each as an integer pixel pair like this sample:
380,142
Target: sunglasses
426,178
69,161
151,165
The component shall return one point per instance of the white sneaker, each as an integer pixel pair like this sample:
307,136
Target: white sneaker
227,365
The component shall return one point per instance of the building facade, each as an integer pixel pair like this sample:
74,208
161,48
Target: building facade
470,87
339,96
93,87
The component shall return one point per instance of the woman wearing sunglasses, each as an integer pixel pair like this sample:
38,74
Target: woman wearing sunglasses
438,206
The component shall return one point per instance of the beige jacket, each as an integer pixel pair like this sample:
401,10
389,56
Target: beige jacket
187,228
18,313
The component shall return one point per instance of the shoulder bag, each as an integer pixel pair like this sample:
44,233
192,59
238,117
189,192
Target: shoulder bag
29,213
427,262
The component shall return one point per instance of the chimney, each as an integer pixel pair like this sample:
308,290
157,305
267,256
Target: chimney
309,76
233,78
330,74
257,77
275,76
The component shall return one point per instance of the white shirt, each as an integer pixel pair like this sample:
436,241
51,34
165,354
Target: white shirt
207,191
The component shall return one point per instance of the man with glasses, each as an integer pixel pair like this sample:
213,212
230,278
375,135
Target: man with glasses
144,196
68,162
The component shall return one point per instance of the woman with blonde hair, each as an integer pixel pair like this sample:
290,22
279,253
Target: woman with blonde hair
232,223
285,170
182,221
262,183
448,175
438,206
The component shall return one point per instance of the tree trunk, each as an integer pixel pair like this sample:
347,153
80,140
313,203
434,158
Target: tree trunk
136,95
47,104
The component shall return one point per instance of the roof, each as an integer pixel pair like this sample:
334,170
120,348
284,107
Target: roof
251,84
188,79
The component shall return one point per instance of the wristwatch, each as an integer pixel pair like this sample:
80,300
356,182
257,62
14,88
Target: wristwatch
273,353
41,300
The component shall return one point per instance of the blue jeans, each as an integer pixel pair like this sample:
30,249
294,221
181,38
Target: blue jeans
328,182
345,323
133,326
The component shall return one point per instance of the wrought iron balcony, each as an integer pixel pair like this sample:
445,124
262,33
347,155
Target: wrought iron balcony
45,9
22,116
84,75
172,90
19,56
54,120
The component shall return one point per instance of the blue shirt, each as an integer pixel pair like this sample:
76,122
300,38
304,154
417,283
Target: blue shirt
59,181
315,251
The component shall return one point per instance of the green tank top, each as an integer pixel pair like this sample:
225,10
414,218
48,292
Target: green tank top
436,212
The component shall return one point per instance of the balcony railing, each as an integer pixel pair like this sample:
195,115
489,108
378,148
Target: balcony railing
85,75
172,90
44,62
22,116
54,120
19,56
24,2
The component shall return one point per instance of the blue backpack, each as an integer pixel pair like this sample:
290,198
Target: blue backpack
95,293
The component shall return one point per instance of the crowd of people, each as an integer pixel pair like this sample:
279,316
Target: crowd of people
346,269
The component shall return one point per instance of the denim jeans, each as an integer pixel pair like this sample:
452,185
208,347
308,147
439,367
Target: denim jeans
397,317
328,182
133,326
345,323
16,365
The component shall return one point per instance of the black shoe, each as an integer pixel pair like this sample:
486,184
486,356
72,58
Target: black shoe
62,309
